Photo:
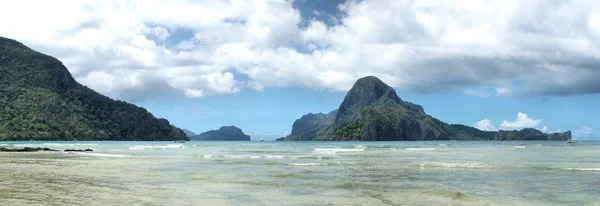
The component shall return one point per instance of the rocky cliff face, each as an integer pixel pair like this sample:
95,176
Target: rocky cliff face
307,127
372,111
225,133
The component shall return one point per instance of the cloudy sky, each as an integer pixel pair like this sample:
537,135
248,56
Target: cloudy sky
260,64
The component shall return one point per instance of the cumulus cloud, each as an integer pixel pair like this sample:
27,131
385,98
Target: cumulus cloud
485,125
523,121
135,49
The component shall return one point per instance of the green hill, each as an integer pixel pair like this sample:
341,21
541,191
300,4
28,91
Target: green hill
225,133
40,100
372,111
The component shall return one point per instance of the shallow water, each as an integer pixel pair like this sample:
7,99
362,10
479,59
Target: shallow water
303,173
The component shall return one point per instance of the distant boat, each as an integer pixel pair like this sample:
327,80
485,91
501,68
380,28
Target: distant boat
261,139
571,142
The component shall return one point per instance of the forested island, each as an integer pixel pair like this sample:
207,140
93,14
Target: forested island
372,111
40,100
225,133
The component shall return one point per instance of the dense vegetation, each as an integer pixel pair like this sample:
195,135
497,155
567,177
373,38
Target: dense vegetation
40,100
372,111
225,133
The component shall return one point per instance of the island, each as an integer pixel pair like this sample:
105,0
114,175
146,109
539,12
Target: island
40,100
225,133
372,111
189,133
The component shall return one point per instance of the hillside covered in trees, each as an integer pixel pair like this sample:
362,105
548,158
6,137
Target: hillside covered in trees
372,111
40,100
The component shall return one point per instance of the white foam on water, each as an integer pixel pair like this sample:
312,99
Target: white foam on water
453,165
583,169
520,147
336,150
442,145
67,145
539,145
3,145
258,157
310,164
146,147
27,145
360,146
97,154
420,149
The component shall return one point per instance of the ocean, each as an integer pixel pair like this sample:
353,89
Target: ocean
303,173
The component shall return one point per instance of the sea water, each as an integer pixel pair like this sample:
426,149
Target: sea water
303,173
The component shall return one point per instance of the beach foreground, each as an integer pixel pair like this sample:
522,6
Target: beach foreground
303,173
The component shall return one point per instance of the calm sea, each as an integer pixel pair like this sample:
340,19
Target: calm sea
303,173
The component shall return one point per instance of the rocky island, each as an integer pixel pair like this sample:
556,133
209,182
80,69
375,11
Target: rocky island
225,133
372,111
40,100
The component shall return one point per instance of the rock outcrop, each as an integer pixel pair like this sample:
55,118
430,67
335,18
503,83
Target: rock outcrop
26,149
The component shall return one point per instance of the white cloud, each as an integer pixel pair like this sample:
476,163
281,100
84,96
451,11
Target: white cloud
544,129
485,125
503,92
523,121
130,48
472,92
585,131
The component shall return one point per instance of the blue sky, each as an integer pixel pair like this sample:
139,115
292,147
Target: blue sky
261,64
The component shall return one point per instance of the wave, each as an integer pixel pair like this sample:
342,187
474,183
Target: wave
320,163
520,147
68,145
420,149
259,157
336,150
583,169
148,147
454,165
360,146
308,164
97,154
54,145
27,145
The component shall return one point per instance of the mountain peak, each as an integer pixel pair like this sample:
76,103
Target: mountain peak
371,90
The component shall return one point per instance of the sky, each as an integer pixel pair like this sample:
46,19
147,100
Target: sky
261,64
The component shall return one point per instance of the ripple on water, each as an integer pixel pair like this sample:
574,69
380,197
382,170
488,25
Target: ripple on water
338,150
420,149
261,157
583,169
88,154
454,165
151,147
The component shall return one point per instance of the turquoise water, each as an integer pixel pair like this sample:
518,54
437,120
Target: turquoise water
303,173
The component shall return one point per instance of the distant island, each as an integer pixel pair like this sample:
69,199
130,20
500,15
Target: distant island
40,100
189,133
372,111
225,133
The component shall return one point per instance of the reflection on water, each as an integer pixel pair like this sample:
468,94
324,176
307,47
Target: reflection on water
303,173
